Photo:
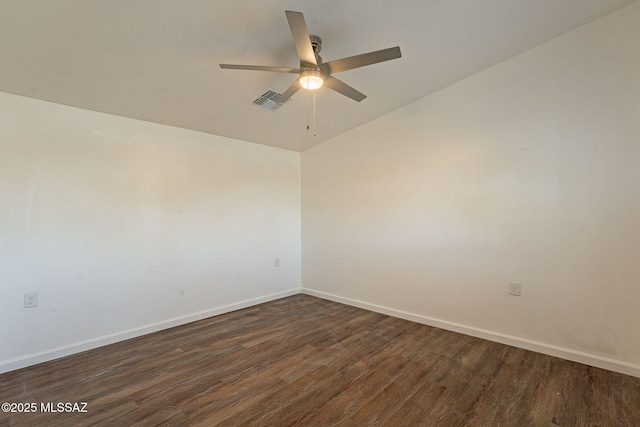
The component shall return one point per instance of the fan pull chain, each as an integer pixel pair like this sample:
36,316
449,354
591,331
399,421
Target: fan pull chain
314,114
308,108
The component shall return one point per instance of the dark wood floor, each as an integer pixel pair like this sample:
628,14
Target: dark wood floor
309,362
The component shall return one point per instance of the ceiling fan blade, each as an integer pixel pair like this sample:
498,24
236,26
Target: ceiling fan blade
301,38
356,61
289,92
343,88
260,68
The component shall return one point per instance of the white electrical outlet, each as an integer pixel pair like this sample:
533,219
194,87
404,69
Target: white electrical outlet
276,262
514,288
30,299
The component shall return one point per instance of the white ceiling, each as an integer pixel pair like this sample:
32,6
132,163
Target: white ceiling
157,60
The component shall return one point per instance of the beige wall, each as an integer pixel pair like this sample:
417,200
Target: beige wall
124,227
528,171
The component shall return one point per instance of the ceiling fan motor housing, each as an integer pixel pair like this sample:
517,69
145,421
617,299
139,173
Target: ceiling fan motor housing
316,42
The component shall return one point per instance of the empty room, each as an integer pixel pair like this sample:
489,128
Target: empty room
318,213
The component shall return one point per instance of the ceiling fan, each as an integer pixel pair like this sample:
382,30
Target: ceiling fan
313,73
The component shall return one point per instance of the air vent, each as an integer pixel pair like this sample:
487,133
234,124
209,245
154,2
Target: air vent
266,101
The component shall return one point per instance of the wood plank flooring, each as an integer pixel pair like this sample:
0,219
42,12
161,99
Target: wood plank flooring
304,361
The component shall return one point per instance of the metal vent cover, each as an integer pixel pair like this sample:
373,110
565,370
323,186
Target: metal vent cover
266,101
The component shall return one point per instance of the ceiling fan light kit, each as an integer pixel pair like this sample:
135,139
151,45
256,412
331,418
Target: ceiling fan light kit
311,79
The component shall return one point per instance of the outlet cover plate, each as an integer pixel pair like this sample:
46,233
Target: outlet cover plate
514,288
30,299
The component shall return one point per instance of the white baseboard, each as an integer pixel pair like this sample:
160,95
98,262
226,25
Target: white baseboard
55,353
539,347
